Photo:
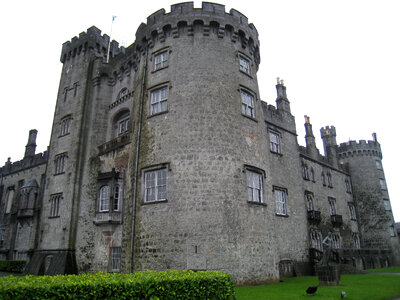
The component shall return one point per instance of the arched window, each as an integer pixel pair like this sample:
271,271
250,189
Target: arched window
104,198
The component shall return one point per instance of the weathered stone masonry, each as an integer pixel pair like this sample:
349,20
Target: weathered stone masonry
165,157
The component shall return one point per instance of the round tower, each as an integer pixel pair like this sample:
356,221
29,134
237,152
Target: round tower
194,185
364,162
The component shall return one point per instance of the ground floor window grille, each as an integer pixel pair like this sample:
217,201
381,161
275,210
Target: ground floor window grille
116,259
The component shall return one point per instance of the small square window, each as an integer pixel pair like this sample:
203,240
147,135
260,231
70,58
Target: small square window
161,60
280,201
159,100
274,142
254,186
244,64
155,185
248,106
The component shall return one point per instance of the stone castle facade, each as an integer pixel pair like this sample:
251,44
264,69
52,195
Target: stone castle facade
164,157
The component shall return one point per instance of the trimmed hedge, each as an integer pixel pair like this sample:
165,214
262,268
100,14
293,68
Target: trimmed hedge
12,265
140,285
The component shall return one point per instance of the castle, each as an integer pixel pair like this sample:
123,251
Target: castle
163,156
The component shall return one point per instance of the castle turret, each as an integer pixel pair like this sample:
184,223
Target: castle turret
328,135
363,160
310,139
31,146
282,102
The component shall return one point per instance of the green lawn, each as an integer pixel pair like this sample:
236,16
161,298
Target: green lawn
384,270
359,286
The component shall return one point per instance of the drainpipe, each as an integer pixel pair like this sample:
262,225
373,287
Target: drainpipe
135,177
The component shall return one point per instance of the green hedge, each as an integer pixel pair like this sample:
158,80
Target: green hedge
140,285
12,265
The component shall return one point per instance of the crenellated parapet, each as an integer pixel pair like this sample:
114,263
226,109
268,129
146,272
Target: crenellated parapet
361,148
91,40
23,164
279,118
209,20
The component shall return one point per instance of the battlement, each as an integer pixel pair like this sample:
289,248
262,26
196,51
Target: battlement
23,164
210,19
91,40
328,131
363,147
279,118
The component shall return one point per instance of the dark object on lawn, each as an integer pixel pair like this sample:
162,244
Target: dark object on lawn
311,290
342,294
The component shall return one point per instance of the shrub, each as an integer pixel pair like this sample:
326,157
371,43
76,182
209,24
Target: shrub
12,265
140,285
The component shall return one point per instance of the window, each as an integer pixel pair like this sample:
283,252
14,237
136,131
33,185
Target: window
316,240
116,198
254,187
280,200
161,60
352,210
158,100
248,107
2,237
335,241
323,179
391,231
244,64
274,142
386,203
332,205
329,177
382,182
55,205
60,163
9,199
122,93
123,126
20,255
347,184
116,259
304,168
104,198
312,175
65,125
155,185
356,240
309,200
379,165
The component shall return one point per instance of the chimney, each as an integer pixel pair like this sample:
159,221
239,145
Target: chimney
282,102
31,146
310,139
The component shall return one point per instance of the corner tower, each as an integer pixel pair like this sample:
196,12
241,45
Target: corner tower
364,162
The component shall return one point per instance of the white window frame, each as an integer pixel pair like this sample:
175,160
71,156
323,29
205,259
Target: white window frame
352,210
155,185
116,254
280,196
244,64
55,200
248,103
161,59
123,126
336,241
255,189
274,141
159,100
104,198
316,240
356,240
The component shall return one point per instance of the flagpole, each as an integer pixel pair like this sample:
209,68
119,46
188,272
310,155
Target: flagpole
109,42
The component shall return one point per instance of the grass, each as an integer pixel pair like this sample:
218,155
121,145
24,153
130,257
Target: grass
357,286
384,270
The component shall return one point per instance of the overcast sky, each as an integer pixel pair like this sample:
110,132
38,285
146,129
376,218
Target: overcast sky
340,61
